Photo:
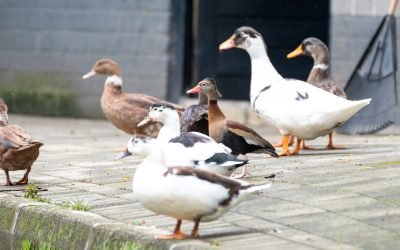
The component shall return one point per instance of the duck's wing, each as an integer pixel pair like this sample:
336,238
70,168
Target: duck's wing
331,87
19,131
145,101
196,149
195,118
229,188
250,136
8,139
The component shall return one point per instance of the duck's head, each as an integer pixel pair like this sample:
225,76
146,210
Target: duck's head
106,67
160,112
310,47
246,38
207,86
3,112
138,145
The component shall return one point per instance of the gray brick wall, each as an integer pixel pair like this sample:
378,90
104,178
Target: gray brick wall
69,36
352,24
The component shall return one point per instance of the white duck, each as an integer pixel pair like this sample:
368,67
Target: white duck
192,148
293,106
186,193
138,145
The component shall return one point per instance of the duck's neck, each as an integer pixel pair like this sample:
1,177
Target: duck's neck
170,129
115,80
154,161
320,69
202,98
3,119
214,112
263,73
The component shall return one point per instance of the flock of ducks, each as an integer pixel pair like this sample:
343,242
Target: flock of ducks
188,169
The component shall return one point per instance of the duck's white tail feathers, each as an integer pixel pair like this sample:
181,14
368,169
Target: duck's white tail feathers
352,108
254,188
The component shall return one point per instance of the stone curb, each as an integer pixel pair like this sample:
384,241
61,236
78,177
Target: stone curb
34,225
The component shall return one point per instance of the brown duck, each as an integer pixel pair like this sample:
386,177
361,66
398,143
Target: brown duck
235,135
319,74
17,149
124,110
195,117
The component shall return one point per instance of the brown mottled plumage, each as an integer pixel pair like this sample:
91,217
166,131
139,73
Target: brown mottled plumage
124,110
195,117
17,149
319,74
235,135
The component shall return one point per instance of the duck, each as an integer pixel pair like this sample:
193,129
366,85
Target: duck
319,74
186,193
124,110
238,137
137,145
190,148
195,117
293,106
17,149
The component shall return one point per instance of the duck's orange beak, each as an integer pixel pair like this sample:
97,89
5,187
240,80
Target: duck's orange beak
194,90
228,44
298,51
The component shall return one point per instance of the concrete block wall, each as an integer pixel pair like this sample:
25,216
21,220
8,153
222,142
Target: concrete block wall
352,24
67,37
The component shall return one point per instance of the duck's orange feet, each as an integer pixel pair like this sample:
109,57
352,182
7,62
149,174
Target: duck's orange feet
290,143
285,146
297,149
330,144
23,181
175,236
332,147
303,146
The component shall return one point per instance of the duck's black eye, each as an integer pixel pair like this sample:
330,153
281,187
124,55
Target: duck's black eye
135,141
203,84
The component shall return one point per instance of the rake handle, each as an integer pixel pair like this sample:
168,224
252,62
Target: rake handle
392,7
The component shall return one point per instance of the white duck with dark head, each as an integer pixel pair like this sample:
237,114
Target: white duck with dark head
186,193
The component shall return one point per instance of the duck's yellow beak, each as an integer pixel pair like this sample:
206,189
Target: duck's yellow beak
89,74
298,51
146,120
228,44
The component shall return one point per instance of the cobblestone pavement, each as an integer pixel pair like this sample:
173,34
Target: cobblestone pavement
321,199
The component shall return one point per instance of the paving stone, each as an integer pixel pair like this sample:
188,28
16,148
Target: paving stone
344,199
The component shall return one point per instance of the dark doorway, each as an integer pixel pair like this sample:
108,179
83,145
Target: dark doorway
284,24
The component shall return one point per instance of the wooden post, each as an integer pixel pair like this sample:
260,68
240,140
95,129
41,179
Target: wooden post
392,7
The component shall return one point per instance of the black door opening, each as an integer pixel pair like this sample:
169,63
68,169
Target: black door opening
283,24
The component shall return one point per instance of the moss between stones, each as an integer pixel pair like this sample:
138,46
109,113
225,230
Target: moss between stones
40,94
47,229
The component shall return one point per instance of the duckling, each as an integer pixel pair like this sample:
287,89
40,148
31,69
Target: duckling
195,117
294,107
319,74
186,193
237,136
191,148
124,110
17,149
